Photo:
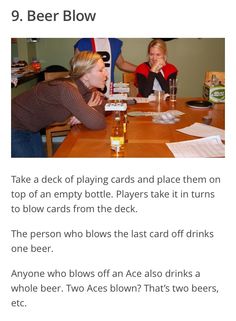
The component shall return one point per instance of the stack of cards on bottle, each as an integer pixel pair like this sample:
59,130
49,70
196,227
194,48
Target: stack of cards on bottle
120,87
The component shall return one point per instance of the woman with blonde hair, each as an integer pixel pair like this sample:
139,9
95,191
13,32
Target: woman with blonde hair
55,101
156,72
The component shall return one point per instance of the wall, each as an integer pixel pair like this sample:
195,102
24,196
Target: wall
25,50
55,51
193,57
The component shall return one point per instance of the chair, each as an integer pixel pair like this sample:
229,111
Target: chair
219,74
130,77
51,75
58,129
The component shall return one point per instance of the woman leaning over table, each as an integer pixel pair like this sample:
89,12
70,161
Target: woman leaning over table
156,72
56,101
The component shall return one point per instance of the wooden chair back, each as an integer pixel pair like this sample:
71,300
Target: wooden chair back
219,74
54,75
129,77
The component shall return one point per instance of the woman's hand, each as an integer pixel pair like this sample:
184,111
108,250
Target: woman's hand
73,121
96,99
156,67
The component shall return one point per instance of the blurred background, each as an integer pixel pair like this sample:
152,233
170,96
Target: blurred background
192,56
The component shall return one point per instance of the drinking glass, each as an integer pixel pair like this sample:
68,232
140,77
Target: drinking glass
159,95
173,89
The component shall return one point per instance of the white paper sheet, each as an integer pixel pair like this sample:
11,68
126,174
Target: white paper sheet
150,98
202,130
203,147
139,100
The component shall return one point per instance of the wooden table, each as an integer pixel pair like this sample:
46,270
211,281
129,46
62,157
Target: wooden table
145,138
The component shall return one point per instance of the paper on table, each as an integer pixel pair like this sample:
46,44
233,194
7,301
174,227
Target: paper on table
145,100
139,100
202,130
203,147
142,100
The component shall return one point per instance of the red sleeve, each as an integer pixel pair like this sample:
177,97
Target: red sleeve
143,69
169,69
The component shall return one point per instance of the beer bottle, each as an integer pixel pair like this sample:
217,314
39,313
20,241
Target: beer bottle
117,136
124,121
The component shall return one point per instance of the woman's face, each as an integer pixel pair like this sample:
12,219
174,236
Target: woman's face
97,76
155,55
